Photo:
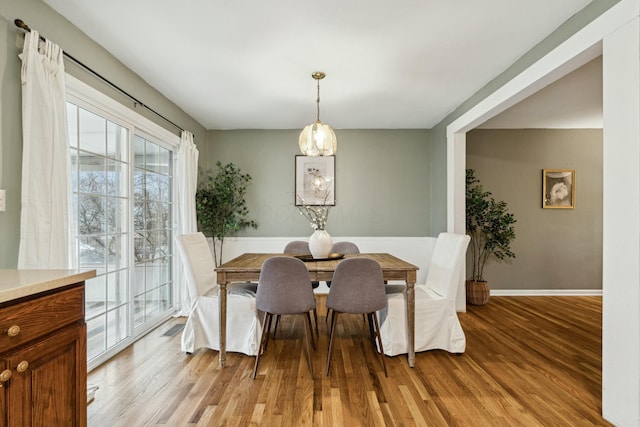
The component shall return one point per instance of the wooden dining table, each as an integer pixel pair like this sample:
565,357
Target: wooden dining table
246,268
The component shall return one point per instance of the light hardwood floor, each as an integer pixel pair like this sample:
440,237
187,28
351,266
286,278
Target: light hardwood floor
530,361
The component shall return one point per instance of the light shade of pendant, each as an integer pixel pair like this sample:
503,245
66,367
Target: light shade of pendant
318,139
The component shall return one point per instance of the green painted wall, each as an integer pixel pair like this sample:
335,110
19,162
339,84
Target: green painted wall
50,24
555,248
382,180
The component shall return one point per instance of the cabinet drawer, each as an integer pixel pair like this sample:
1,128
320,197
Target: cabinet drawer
39,316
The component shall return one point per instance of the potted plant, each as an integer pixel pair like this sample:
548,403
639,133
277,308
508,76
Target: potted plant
490,226
221,209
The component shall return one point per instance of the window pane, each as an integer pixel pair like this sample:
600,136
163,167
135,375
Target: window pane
74,170
154,274
165,269
165,295
152,186
117,285
95,296
139,185
138,285
114,218
117,141
164,161
92,132
152,304
152,156
96,342
157,216
116,326
92,214
138,151
92,252
117,178
75,212
117,253
165,188
139,314
92,177
116,211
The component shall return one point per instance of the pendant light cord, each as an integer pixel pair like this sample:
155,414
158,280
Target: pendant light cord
318,102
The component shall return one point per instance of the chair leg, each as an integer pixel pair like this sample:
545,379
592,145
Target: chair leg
375,320
308,331
372,333
262,346
267,324
307,317
275,328
326,317
334,318
315,319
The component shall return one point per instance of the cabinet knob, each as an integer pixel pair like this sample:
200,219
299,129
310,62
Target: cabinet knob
13,331
4,376
22,366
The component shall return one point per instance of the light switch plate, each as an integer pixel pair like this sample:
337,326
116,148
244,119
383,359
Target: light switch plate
3,201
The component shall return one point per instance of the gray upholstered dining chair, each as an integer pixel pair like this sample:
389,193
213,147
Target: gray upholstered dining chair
341,248
345,248
283,290
299,247
358,288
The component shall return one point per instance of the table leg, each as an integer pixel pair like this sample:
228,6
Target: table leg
222,301
411,324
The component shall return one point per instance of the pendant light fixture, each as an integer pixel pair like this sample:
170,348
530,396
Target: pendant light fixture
318,139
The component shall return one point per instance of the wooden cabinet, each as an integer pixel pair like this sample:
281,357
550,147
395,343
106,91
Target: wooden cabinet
43,362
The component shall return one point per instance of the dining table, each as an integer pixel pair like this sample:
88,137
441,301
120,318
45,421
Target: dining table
246,268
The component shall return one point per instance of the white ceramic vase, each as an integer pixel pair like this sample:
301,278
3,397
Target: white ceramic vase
320,244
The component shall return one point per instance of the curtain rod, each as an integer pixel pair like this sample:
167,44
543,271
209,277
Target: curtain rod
20,24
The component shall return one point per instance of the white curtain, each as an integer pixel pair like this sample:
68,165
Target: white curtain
187,179
47,229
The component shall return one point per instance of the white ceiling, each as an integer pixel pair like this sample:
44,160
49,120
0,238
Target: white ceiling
241,64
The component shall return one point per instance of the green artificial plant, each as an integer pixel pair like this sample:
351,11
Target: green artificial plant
489,224
220,205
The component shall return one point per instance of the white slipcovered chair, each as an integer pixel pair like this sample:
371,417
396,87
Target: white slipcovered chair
436,321
202,328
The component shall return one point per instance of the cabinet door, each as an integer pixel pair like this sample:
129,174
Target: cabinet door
3,399
48,385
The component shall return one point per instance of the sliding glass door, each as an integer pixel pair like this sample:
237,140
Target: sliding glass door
153,288
122,180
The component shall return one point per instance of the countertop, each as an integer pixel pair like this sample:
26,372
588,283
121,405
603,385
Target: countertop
16,284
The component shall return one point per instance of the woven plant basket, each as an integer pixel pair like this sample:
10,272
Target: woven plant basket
477,292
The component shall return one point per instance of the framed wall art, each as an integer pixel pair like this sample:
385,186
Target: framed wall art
558,188
315,180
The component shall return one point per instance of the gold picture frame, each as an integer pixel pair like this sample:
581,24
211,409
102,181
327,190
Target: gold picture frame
558,188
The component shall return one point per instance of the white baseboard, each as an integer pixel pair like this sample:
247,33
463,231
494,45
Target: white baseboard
546,292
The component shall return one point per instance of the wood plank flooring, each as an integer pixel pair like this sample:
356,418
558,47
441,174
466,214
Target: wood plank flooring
530,361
